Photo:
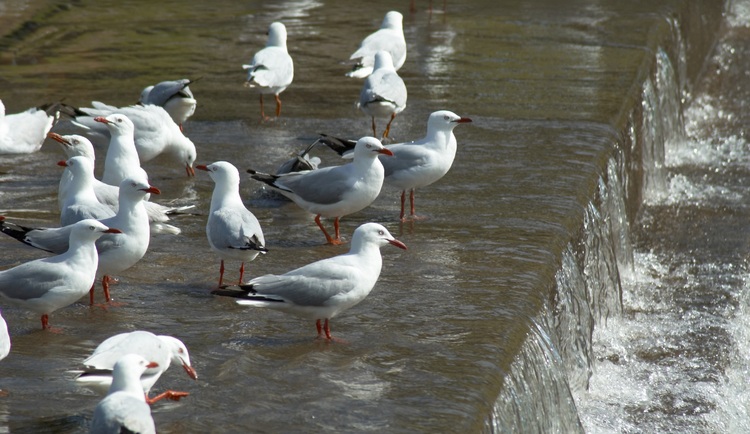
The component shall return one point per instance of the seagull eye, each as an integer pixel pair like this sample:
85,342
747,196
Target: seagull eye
380,232
75,141
119,119
91,228
447,118
133,184
368,146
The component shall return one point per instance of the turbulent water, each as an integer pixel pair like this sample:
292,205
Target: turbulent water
581,268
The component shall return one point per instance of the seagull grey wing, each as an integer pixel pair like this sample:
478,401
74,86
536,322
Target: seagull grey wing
405,157
390,87
54,240
227,228
166,90
112,349
323,186
33,279
305,289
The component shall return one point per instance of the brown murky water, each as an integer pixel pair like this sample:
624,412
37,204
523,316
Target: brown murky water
429,347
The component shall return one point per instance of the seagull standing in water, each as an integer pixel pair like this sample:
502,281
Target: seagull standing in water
334,191
46,285
233,231
390,37
321,290
271,70
383,93
125,410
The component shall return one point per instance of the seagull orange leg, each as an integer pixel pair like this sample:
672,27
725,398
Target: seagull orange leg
45,321
105,287
374,134
413,214
242,273
263,116
278,105
221,273
328,237
388,127
336,229
320,329
91,294
169,394
403,201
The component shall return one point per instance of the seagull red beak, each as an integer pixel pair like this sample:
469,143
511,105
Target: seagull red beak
190,371
102,120
152,365
190,171
62,163
202,167
463,120
151,189
398,244
58,138
385,151
114,231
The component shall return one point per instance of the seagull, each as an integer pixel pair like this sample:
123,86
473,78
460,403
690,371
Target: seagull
155,133
98,367
48,284
323,289
233,232
271,70
174,96
74,146
124,409
334,191
390,38
300,162
117,252
418,163
383,93
24,133
4,338
79,201
122,156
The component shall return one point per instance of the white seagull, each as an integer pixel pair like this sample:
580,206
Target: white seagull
23,133
117,252
418,163
98,367
124,409
271,70
48,284
155,133
74,146
323,289
334,191
383,93
4,338
390,38
233,232
174,96
79,201
122,156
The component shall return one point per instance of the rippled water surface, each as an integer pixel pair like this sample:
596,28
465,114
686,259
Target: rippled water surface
429,347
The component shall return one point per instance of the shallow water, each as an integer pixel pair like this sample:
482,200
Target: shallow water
430,347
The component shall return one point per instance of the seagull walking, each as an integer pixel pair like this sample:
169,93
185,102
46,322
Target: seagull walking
383,93
334,191
98,368
233,231
321,290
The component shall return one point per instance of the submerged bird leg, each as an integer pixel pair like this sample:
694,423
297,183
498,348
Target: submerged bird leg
413,214
388,127
374,134
328,237
403,201
263,116
327,329
242,273
45,322
278,105
91,294
105,287
336,229
320,328
221,273
169,394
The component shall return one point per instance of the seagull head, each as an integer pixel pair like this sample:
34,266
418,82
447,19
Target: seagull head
74,145
179,354
137,187
90,229
188,155
369,147
374,233
393,20
221,172
443,120
276,35
117,124
80,167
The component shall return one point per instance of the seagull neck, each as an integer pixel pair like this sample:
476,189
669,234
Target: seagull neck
442,138
225,194
127,381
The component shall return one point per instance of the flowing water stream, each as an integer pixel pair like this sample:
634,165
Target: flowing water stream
582,267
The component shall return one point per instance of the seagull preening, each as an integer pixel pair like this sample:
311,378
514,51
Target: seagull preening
271,70
418,163
46,285
24,133
154,132
233,232
383,93
124,409
174,96
390,37
334,191
321,290
97,373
